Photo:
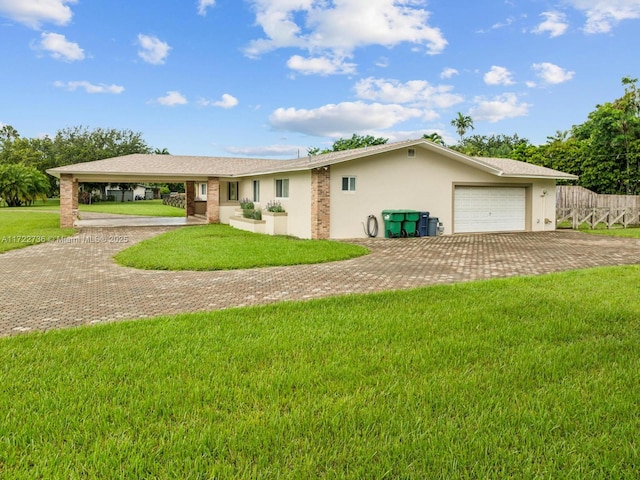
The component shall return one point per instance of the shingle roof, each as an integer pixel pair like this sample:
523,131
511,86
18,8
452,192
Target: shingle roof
192,167
515,168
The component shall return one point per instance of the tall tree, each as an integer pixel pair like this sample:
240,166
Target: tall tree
79,144
434,137
500,146
610,145
356,141
20,184
462,123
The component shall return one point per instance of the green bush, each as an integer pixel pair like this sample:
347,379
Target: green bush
252,214
246,204
274,206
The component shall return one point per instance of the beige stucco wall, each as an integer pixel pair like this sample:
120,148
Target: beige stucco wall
425,183
297,205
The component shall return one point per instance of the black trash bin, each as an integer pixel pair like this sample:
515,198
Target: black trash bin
423,224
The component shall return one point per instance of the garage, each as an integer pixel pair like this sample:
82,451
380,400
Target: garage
489,209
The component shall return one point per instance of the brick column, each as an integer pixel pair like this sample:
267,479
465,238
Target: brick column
213,200
320,203
68,200
190,193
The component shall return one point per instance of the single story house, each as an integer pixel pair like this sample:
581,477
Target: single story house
332,195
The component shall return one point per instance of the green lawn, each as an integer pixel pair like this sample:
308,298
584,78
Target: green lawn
221,247
52,204
151,208
20,228
616,232
513,378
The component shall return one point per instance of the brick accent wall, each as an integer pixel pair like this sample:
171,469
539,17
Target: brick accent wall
68,200
320,202
213,200
190,194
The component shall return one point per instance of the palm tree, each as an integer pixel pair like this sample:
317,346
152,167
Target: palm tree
20,184
462,124
434,137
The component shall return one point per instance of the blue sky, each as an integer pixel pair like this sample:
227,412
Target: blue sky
271,78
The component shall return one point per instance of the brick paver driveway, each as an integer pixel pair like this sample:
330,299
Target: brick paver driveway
76,282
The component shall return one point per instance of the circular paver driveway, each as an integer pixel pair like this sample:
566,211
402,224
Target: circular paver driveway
75,281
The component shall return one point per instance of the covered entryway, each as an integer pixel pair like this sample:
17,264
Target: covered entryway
489,209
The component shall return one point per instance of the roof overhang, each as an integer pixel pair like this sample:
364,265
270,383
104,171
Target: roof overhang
174,169
129,177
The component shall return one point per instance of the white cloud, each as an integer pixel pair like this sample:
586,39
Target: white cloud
499,25
449,72
34,13
555,23
171,99
320,65
60,48
227,101
90,87
338,120
382,62
203,5
336,29
416,92
498,76
498,108
551,73
603,15
152,49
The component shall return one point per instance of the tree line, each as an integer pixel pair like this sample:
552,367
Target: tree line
24,161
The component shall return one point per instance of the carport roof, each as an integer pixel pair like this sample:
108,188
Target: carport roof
148,167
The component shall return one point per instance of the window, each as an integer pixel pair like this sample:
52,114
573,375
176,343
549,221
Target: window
233,191
411,152
348,184
282,188
256,190
203,190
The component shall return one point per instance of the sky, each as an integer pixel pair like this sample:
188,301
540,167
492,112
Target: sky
271,78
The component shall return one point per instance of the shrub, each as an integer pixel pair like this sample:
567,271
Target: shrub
274,206
252,214
246,204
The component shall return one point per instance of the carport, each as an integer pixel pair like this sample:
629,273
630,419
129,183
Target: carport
145,168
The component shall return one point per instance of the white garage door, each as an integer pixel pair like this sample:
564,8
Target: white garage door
489,209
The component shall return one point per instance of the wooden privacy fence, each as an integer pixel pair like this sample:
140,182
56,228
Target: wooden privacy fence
577,206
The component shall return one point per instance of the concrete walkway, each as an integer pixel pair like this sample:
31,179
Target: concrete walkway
74,281
102,220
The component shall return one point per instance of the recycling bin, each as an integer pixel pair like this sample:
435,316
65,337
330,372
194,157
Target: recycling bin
392,223
410,223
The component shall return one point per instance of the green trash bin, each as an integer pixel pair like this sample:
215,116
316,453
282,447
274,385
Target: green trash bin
410,223
392,223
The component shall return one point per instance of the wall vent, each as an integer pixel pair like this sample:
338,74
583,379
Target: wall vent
411,152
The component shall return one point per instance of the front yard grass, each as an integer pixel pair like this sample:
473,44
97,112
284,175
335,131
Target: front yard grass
221,247
20,228
616,232
145,208
514,378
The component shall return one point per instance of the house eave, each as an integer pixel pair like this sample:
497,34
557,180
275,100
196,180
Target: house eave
539,177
